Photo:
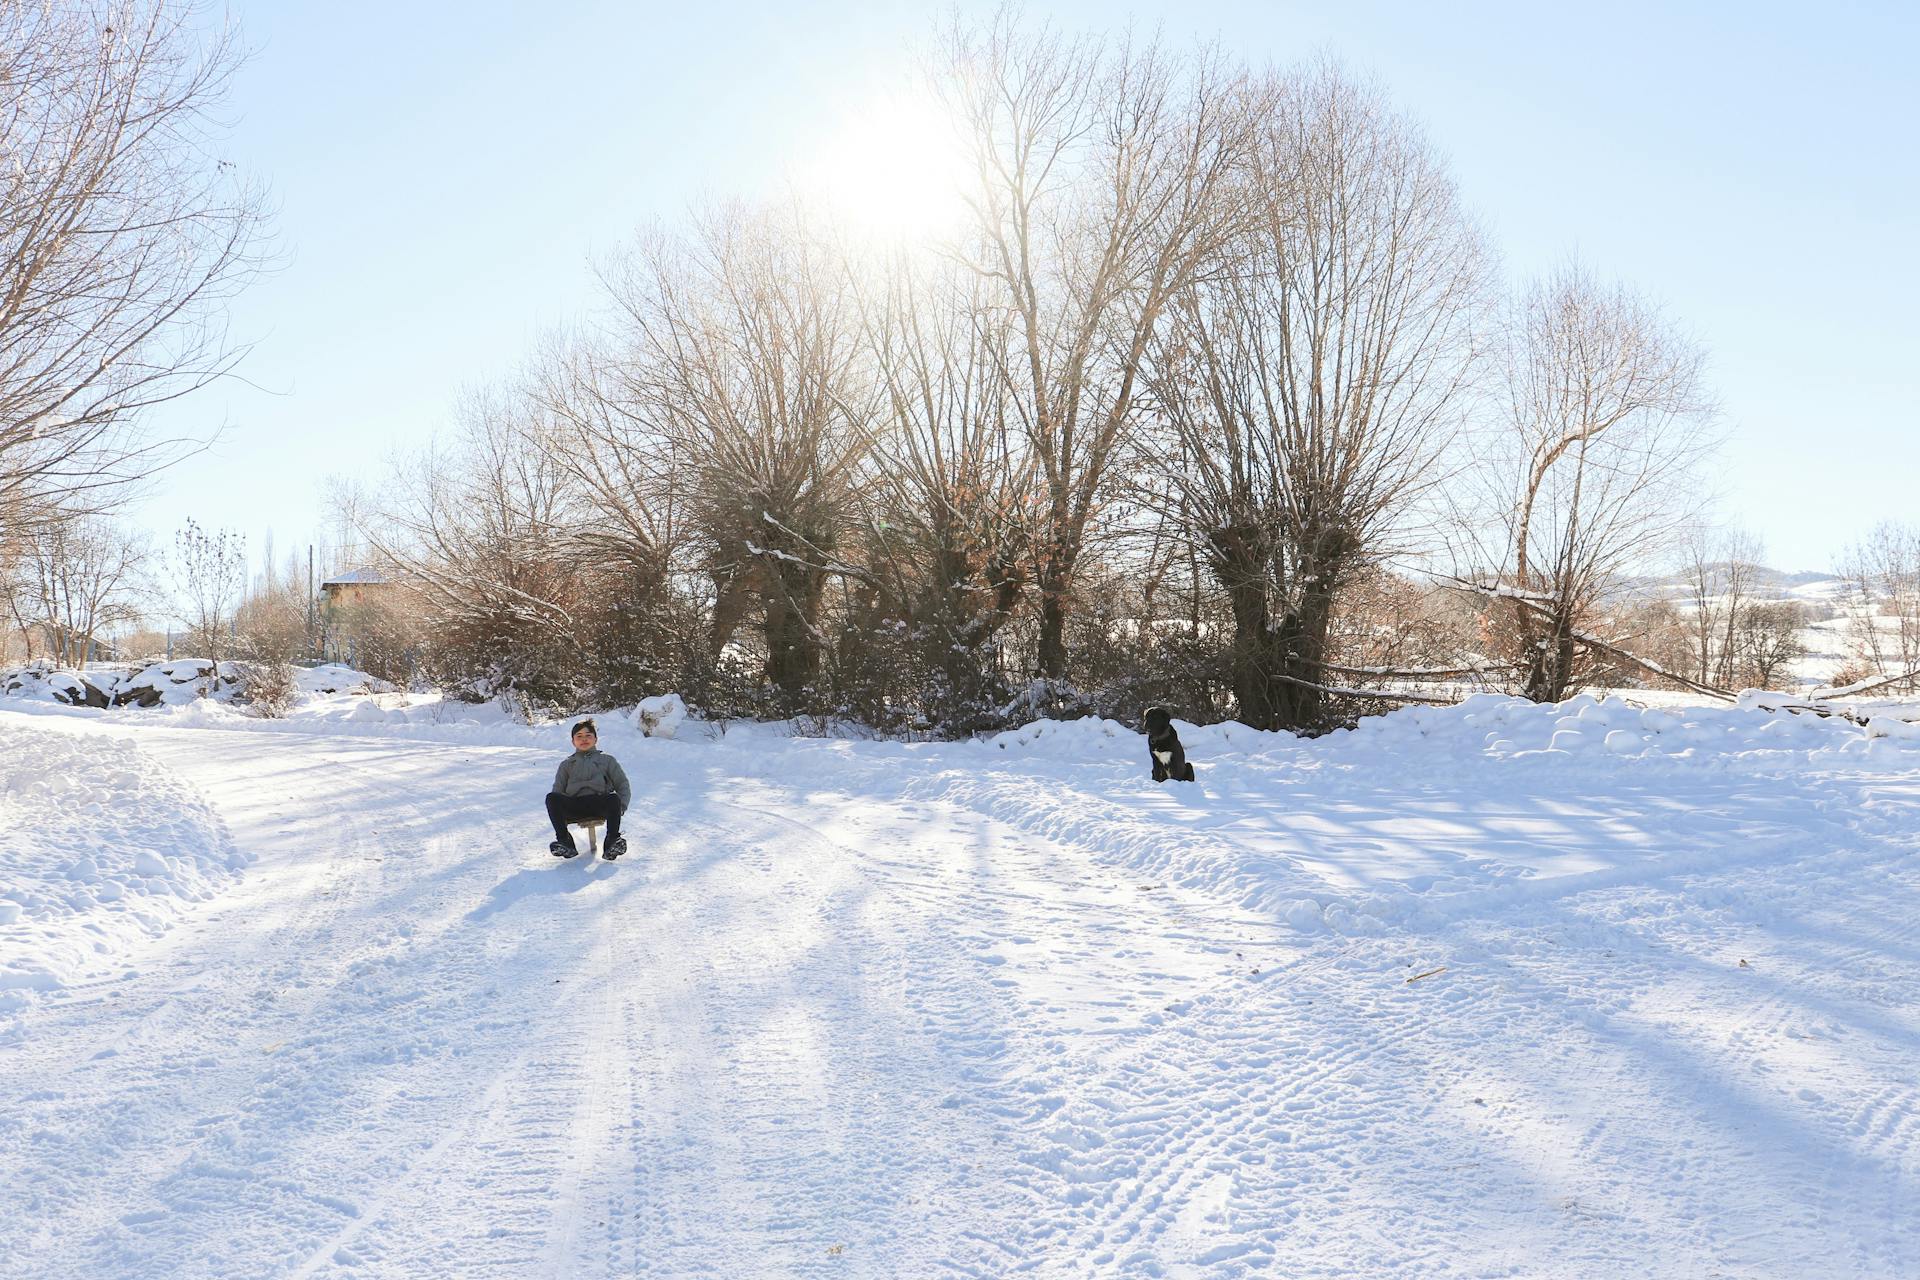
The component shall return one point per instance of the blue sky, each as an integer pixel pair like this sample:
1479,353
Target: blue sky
443,174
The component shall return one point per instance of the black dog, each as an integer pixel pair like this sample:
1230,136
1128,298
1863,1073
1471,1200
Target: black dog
1163,748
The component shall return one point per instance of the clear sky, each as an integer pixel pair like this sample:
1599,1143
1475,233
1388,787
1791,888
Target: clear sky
444,172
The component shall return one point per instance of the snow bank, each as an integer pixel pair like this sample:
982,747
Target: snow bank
336,699
337,677
1582,732
176,682
660,717
67,688
1493,803
180,681
99,849
1583,729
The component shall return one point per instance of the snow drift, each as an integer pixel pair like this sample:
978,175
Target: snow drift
100,849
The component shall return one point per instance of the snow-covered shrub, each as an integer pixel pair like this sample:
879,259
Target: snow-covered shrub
721,690
271,688
660,717
910,678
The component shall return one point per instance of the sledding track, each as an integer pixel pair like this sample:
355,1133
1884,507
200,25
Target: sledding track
803,1031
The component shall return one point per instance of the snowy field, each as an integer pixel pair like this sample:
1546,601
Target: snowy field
1495,990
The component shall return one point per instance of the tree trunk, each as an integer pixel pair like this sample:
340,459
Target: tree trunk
1052,658
734,590
1239,562
1550,661
1302,641
793,659
792,631
1254,658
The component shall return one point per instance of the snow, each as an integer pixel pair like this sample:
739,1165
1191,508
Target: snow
336,677
660,717
69,687
101,849
1591,990
183,680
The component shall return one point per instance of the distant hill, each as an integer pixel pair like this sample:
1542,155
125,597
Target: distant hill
1824,636
1764,581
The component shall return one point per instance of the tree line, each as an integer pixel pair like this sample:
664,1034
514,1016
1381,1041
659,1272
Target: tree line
1217,398
1217,377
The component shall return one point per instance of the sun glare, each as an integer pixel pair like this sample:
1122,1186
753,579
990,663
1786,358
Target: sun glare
892,169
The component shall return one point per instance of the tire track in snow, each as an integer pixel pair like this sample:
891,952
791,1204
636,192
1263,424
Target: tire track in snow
502,1177
371,1035
836,1060
591,1128
164,1075
1179,1154
834,1039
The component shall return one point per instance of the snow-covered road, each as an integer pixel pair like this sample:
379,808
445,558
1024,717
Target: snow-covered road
871,1010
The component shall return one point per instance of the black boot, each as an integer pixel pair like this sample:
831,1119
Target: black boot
561,849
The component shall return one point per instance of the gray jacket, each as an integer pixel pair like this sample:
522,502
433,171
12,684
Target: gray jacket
593,773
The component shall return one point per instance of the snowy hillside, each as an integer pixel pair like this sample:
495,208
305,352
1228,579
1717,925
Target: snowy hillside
1830,647
1583,991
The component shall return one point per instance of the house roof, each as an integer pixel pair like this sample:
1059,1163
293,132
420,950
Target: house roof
355,578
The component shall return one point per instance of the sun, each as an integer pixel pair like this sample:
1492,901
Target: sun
892,170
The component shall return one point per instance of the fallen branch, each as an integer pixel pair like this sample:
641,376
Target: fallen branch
1648,664
1381,694
1795,706
1420,673
1537,602
1767,700
1862,686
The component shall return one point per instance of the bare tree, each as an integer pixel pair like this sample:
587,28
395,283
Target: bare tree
1701,572
1102,187
1718,570
1605,414
949,479
87,576
1767,640
121,234
741,346
472,528
211,574
1312,383
633,484
509,574
18,591
1882,600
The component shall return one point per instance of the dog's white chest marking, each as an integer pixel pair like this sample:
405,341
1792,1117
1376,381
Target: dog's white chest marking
1163,756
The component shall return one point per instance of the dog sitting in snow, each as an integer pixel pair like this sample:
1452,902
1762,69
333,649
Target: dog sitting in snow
1163,748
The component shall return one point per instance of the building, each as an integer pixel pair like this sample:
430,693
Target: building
355,586
341,596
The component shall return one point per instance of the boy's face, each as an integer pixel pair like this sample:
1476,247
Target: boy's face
583,740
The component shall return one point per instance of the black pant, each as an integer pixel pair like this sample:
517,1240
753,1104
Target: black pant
565,809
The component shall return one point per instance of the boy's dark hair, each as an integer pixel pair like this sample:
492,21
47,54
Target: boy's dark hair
588,725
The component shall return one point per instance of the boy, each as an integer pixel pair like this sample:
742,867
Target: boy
589,784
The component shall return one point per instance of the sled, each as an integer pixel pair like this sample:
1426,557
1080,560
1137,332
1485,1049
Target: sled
592,827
